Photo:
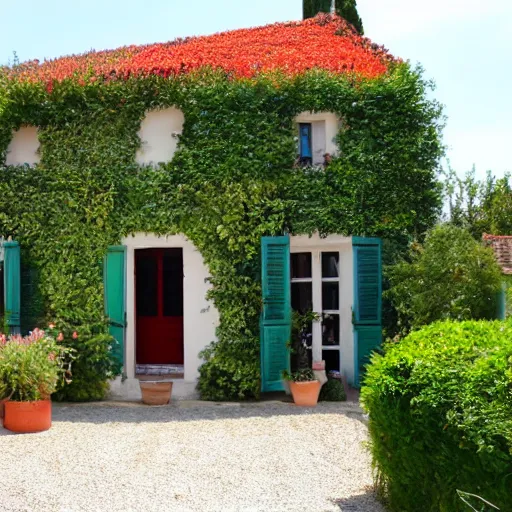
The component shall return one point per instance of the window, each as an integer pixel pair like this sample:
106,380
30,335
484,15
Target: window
315,286
316,133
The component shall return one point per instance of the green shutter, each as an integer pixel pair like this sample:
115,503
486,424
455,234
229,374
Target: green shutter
114,281
367,301
12,290
276,314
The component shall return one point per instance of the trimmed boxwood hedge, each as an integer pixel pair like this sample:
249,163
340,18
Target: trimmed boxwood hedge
440,416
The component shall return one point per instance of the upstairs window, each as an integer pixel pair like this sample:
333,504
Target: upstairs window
316,133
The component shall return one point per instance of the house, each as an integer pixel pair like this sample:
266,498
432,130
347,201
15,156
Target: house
200,190
502,248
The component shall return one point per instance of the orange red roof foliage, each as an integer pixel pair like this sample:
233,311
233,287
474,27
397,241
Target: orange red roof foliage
326,41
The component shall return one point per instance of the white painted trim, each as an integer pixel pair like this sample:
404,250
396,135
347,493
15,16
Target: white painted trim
200,317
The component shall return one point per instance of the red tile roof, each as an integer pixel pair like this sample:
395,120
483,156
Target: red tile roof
502,247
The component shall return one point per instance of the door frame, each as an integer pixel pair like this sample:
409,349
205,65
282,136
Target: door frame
200,317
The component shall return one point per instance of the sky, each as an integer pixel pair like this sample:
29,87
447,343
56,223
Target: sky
465,46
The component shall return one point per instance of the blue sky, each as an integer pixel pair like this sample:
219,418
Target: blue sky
464,45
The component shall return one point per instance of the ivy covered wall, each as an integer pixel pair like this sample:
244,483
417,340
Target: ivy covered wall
232,180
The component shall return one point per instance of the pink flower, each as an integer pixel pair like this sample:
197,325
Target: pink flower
75,335
52,326
60,337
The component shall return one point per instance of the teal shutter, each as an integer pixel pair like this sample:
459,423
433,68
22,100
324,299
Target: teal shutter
501,302
367,301
114,281
12,286
276,315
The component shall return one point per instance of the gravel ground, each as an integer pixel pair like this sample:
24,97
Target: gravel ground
190,457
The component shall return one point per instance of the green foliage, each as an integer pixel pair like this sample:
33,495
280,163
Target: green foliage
231,181
93,366
301,375
450,276
332,391
440,417
480,206
31,367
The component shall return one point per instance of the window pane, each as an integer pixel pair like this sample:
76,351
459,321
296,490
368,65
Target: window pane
331,330
146,286
173,282
330,264
332,360
300,264
330,295
302,297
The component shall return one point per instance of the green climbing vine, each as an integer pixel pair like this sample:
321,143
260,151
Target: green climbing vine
232,180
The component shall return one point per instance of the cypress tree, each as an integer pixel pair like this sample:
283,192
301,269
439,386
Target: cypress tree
348,9
345,8
311,8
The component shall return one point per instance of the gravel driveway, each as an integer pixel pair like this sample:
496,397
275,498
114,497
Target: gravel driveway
190,457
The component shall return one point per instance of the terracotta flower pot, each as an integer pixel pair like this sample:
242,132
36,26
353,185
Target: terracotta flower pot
155,392
24,417
305,393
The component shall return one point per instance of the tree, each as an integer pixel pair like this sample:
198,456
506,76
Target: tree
479,206
347,9
452,276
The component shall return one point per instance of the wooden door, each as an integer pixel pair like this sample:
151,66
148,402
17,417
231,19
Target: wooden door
159,306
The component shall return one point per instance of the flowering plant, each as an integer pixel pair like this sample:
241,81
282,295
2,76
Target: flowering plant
31,366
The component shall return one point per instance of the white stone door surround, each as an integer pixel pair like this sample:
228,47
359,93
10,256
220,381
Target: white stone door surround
200,318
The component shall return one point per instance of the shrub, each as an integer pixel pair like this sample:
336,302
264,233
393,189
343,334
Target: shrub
440,416
93,367
332,391
451,277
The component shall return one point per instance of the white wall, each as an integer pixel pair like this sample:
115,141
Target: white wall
24,146
325,127
159,133
200,317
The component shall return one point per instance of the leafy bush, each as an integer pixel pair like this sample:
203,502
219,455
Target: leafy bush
31,366
332,391
440,416
452,276
93,367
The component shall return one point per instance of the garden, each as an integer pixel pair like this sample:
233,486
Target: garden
439,394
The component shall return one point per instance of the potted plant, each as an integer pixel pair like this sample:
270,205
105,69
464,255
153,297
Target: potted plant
30,369
304,386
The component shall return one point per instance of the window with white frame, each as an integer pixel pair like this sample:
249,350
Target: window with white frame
315,286
316,134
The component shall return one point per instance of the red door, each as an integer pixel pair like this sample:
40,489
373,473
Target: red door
159,306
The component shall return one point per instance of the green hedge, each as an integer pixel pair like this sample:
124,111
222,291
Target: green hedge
440,416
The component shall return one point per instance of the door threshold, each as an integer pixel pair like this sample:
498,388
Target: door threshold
175,371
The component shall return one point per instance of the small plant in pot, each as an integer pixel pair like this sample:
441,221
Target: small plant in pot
30,369
304,387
